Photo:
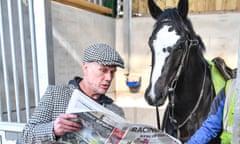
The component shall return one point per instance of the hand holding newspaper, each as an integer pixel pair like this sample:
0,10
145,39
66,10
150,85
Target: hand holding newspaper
102,126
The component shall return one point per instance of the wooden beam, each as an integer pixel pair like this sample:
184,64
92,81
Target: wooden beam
83,4
211,5
238,5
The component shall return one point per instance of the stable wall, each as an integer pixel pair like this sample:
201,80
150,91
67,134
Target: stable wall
75,29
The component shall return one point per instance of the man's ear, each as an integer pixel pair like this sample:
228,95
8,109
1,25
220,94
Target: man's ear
84,68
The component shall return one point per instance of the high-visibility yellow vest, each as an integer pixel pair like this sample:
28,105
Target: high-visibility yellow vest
228,113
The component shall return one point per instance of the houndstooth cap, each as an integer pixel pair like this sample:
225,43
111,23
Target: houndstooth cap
103,54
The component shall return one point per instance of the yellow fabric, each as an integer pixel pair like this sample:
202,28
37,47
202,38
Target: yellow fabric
230,120
226,138
226,135
217,78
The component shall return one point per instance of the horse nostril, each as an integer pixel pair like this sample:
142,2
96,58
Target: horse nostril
149,99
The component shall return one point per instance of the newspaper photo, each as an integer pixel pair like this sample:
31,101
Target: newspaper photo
102,126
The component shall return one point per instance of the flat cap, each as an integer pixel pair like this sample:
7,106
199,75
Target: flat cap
103,54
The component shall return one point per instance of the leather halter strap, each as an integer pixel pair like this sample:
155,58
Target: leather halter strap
172,88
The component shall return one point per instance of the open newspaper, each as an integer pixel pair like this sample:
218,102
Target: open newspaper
102,126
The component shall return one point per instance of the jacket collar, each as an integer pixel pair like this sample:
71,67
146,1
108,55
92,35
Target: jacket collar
103,99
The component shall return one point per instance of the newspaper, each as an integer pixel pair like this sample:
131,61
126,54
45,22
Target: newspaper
102,126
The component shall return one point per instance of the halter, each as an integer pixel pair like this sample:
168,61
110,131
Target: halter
171,90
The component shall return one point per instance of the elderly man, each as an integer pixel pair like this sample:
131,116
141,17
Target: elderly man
49,120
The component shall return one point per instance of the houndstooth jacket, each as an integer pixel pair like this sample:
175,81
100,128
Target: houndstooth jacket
39,128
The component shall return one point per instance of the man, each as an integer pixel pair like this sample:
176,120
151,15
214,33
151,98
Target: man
49,120
220,118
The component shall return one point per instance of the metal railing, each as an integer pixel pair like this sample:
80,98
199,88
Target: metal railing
99,2
26,60
26,43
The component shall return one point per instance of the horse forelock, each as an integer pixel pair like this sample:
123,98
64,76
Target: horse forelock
171,17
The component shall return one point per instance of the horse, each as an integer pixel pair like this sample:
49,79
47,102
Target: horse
179,72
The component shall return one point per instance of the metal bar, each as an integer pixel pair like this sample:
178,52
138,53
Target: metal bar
5,70
236,121
13,52
44,44
100,2
11,126
34,53
23,52
3,137
127,21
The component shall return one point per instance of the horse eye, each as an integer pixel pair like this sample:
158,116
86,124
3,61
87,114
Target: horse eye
164,49
169,49
170,29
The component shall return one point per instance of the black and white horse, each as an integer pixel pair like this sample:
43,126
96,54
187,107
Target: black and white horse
179,71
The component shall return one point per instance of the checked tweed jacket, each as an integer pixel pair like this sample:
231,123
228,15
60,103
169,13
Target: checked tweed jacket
54,102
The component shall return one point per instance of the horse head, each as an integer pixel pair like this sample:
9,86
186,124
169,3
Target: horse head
170,46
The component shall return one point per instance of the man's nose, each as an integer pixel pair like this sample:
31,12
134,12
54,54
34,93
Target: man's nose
108,76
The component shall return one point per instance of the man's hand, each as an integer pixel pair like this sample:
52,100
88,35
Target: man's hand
64,124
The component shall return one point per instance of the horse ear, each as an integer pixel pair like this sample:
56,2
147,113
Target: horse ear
183,8
155,11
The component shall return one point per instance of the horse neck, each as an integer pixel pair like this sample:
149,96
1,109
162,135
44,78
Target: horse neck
191,79
188,90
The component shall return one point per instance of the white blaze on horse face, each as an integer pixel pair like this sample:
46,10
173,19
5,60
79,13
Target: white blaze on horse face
164,39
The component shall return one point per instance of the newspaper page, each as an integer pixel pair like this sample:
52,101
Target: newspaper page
102,126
